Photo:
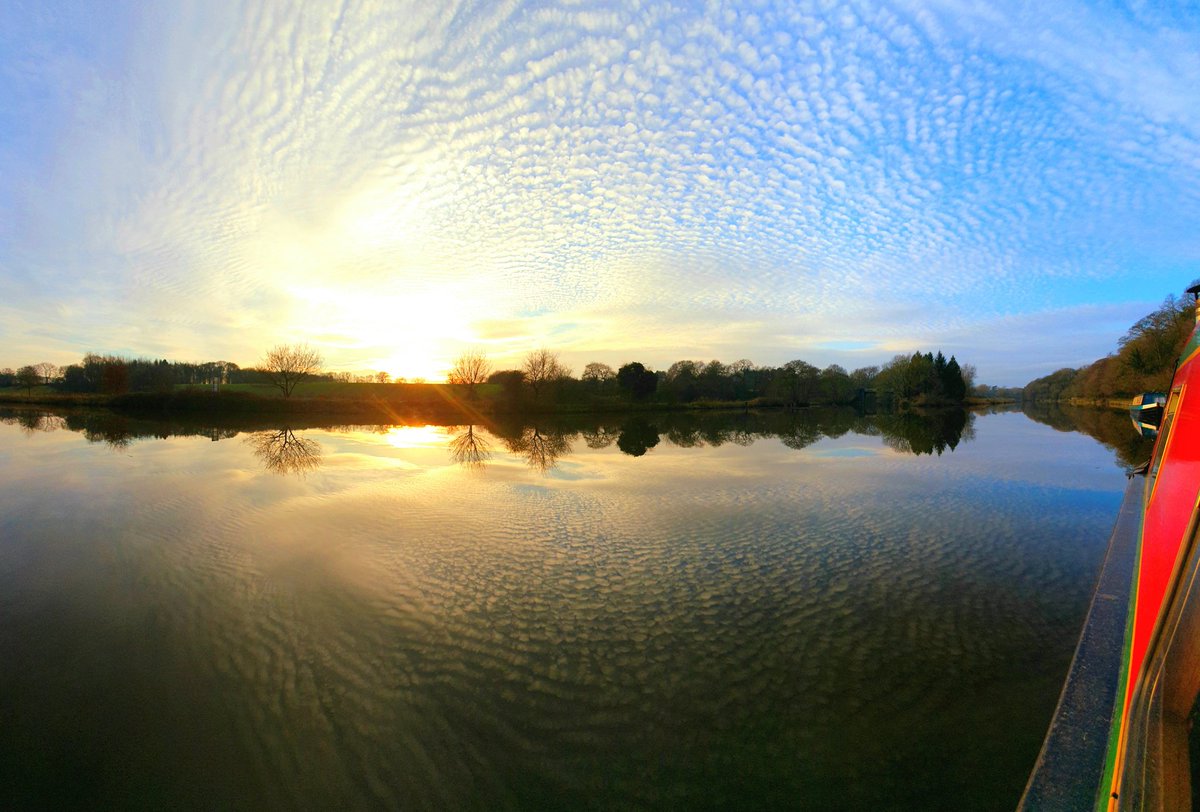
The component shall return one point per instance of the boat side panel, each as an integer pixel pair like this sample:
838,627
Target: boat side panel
1173,493
1172,489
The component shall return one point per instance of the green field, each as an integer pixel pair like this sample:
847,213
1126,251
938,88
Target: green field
46,394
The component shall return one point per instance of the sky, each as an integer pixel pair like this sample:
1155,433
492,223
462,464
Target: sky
395,183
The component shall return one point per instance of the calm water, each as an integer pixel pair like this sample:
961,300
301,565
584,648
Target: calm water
738,612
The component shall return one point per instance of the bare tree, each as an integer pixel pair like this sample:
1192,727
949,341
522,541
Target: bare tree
542,367
288,364
470,369
968,376
47,371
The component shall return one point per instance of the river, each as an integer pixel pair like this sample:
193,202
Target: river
825,611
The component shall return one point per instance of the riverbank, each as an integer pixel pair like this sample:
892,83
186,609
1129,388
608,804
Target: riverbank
1105,403
401,402
1121,404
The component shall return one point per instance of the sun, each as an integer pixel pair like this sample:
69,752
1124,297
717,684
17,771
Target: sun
419,362
408,335
414,336
423,337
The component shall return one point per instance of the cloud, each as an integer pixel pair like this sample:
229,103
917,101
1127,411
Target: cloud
655,175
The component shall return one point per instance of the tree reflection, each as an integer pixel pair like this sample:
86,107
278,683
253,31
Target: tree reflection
684,435
540,449
1111,427
285,452
541,446
599,437
637,437
32,422
100,427
930,433
800,434
915,432
470,449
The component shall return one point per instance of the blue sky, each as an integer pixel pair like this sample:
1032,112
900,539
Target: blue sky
1013,183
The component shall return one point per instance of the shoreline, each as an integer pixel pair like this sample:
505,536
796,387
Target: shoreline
433,400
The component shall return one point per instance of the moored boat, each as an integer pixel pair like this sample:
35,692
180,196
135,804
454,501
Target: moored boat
1122,736
1146,411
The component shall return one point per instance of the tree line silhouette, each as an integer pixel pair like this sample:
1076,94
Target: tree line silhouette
544,382
921,378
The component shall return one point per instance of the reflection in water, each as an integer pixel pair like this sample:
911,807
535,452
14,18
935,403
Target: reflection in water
113,429
800,434
930,433
32,421
470,448
911,432
637,437
539,447
103,427
543,445
599,437
285,452
1110,426
697,628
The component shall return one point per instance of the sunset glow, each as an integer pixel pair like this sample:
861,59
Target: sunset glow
416,436
410,336
633,181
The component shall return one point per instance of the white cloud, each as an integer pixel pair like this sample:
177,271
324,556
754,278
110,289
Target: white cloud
783,177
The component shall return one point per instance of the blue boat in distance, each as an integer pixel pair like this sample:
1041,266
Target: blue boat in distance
1146,411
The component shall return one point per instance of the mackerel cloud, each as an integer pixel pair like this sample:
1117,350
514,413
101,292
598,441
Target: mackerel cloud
772,180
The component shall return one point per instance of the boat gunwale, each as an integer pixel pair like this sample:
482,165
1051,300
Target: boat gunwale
1073,759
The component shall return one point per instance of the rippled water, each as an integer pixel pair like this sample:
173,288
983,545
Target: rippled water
686,612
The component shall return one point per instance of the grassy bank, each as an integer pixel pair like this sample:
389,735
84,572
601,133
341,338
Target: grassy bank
1105,403
352,401
380,402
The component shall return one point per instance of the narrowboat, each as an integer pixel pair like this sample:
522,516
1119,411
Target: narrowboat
1124,735
1146,411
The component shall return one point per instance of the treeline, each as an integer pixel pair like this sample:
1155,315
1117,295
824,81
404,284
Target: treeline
544,383
920,379
116,375
1144,360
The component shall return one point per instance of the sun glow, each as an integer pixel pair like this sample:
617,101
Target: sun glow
416,436
408,336
419,335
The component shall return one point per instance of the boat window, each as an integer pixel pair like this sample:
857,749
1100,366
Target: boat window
1164,438
1165,434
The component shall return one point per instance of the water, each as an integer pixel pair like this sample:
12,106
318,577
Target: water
689,612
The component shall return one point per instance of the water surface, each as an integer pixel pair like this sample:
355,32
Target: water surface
815,611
